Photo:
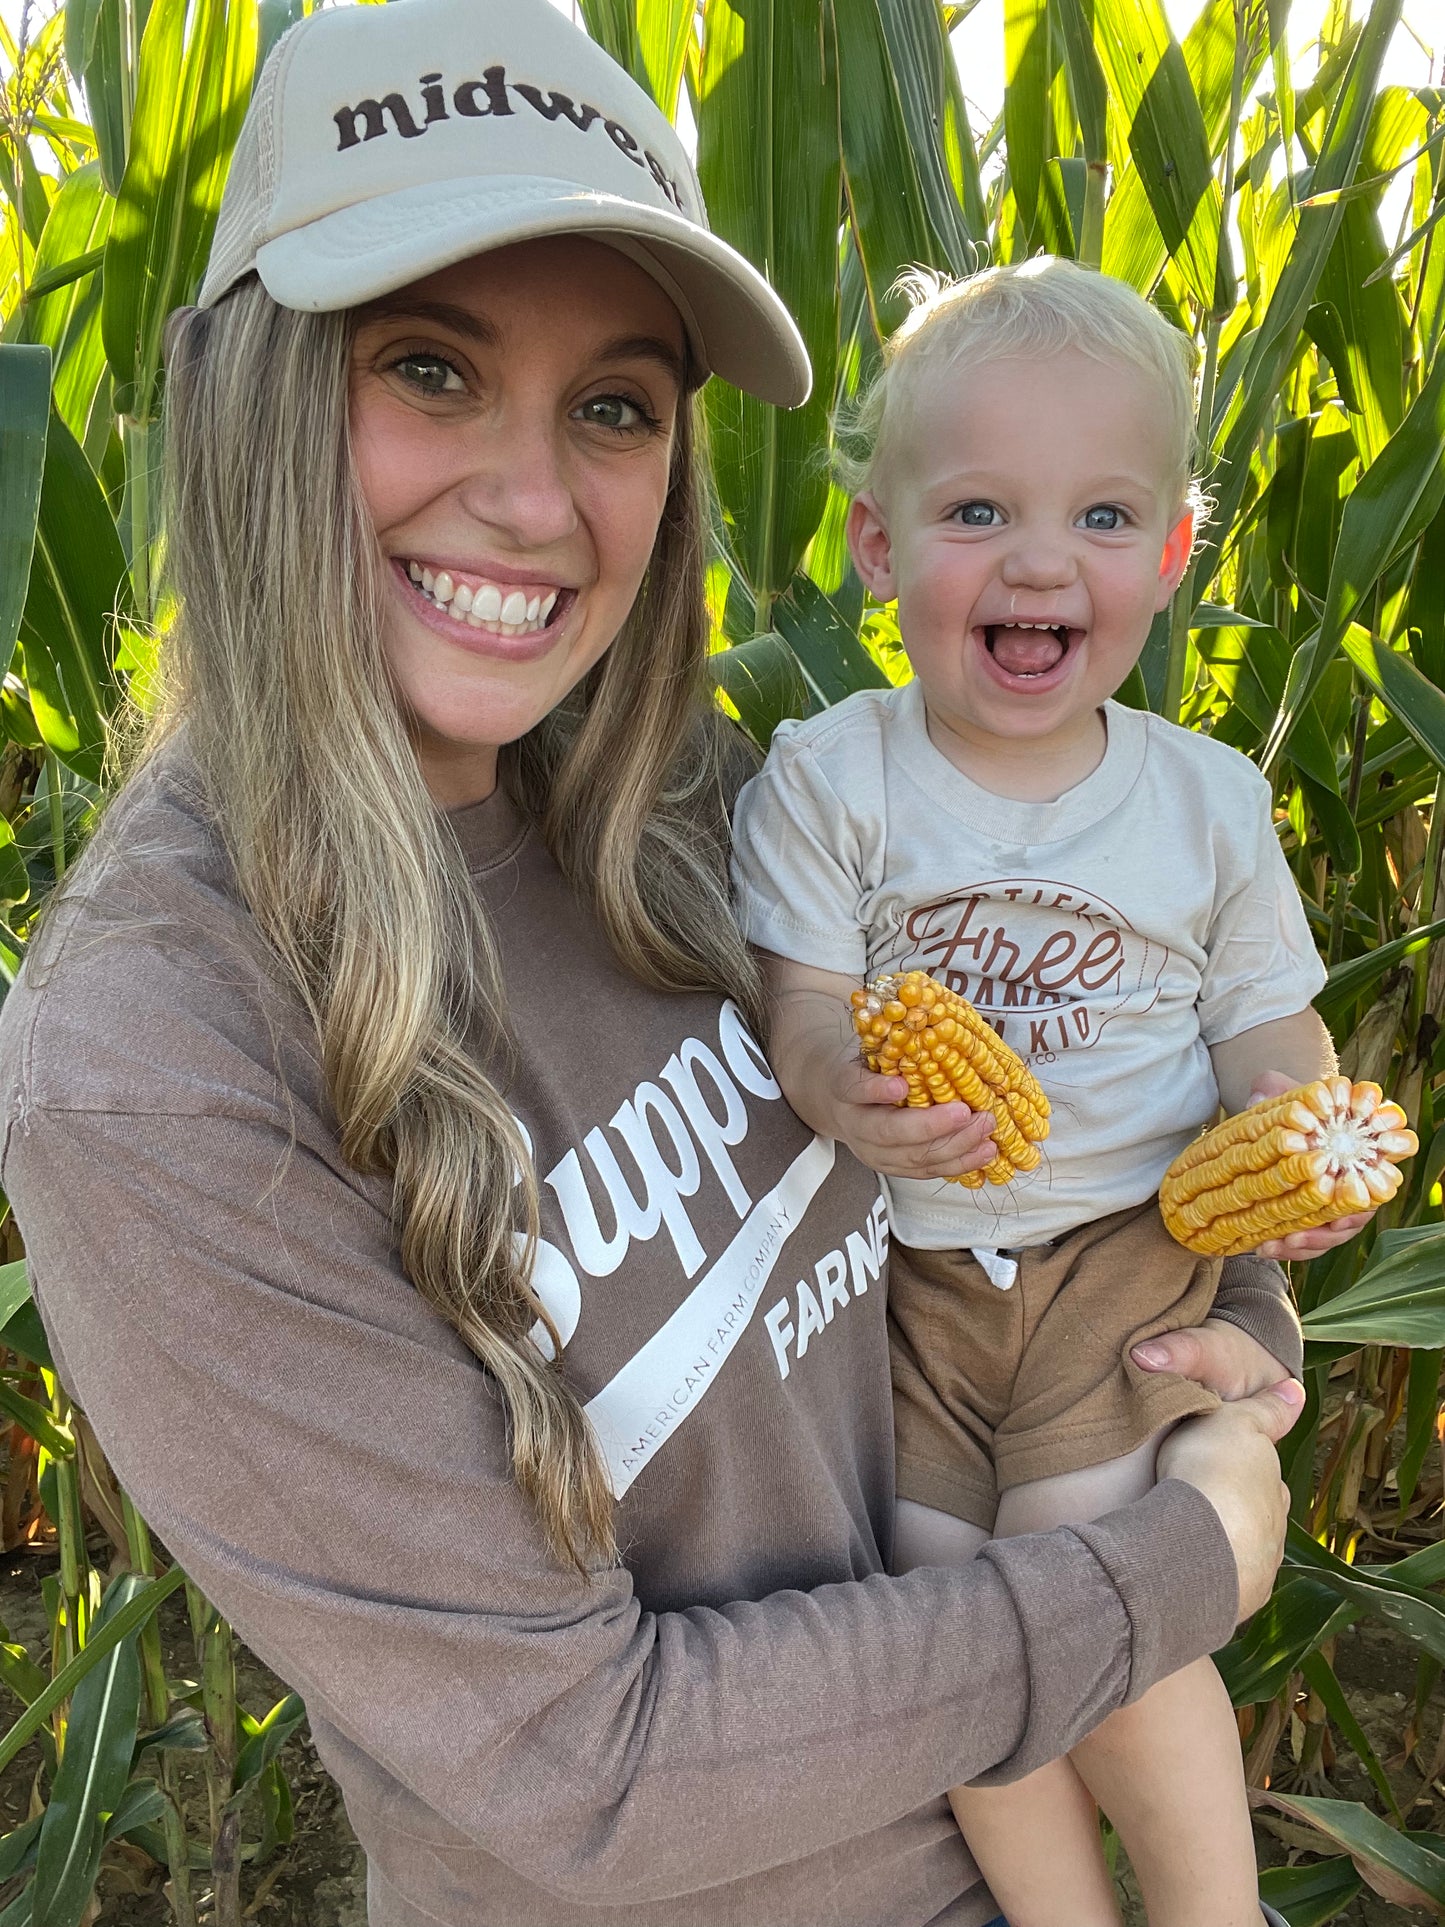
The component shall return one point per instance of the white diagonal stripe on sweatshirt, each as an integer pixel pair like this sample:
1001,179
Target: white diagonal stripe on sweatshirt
658,1387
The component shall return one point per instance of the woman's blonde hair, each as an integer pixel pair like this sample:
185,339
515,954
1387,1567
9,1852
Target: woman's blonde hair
276,669
1036,308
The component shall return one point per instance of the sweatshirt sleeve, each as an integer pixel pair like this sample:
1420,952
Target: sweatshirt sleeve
329,1463
1253,1294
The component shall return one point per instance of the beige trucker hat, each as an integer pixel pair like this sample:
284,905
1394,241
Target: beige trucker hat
385,142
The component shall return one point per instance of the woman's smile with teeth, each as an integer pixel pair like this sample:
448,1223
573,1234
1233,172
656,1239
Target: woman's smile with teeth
485,605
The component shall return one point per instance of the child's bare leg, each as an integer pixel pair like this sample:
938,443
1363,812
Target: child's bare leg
1166,1769
1070,1882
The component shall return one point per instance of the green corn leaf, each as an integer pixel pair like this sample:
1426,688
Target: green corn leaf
278,1817
613,25
826,647
1427,1566
1368,307
1151,87
1246,400
932,104
95,52
1134,248
24,413
141,1805
1214,615
892,118
765,684
17,1849
1352,979
1377,1590
14,1289
647,37
1033,51
62,306
891,227
1310,1895
665,28
24,1333
768,118
1415,1872
186,1733
267,1741
1398,1300
1391,506
1319,1676
1412,699
67,272
78,584
196,67
37,1420
94,1769
1421,1401
72,247
1300,1613
14,877
20,1673
103,1640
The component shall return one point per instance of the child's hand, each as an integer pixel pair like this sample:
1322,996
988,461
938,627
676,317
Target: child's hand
939,1141
1301,1245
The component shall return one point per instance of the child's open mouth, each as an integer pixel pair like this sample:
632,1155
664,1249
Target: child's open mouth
1029,649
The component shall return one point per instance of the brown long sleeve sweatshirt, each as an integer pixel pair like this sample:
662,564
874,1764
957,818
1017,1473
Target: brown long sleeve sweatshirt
748,1721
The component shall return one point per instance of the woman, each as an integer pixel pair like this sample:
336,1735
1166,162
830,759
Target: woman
388,1030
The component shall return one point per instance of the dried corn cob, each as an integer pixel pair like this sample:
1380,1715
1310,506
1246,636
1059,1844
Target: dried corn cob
921,1031
1288,1164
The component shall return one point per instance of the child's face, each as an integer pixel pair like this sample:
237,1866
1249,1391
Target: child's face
1029,524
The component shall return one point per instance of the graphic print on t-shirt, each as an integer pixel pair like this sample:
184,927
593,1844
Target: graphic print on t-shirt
1045,963
673,1132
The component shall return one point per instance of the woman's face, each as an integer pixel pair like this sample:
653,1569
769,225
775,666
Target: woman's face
512,419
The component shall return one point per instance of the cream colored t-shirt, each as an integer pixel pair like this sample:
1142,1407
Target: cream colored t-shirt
1109,936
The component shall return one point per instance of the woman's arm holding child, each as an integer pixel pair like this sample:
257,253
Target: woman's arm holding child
1267,1061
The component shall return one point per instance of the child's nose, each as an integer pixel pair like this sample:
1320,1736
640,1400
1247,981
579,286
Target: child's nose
1039,560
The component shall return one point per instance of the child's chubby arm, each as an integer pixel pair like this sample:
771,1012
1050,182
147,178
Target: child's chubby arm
1267,1061
813,1049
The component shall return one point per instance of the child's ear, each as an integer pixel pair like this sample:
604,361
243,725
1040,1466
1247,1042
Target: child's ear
870,547
1178,547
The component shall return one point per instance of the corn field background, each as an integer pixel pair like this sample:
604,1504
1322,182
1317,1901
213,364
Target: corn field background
835,149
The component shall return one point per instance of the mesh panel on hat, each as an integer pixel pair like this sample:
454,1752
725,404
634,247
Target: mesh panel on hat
241,223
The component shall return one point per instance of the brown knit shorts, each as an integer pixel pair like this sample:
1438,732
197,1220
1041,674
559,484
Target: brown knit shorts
993,1388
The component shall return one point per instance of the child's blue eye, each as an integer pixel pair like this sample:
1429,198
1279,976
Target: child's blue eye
1104,518
976,515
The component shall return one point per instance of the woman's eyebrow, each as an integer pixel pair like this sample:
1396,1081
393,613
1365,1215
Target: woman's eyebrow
645,348
475,327
442,314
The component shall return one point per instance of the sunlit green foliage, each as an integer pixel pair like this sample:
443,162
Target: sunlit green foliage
835,149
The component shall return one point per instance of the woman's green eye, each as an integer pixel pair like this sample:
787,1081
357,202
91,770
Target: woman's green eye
1103,518
430,373
976,515
616,412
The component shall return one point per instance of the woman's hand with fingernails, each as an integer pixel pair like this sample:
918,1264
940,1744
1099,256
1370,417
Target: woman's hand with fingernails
1229,1456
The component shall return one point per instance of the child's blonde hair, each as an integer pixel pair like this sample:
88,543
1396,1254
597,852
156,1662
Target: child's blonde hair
1037,308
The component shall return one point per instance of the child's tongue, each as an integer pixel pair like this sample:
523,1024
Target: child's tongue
1025,652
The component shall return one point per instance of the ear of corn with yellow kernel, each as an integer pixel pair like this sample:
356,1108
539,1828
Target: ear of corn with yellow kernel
1288,1164
914,1028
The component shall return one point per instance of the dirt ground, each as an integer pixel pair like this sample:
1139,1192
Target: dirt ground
318,1880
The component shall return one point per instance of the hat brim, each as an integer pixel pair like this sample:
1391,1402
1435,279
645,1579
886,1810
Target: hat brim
738,325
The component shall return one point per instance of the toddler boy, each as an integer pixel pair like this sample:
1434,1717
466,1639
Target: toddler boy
1109,892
